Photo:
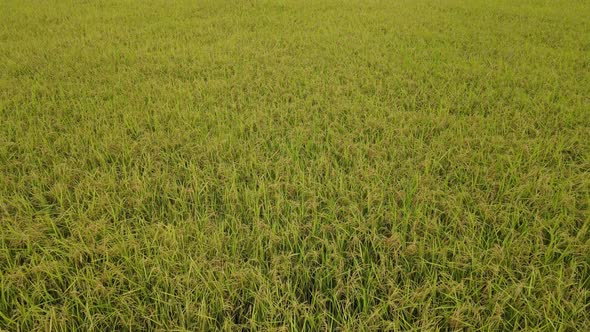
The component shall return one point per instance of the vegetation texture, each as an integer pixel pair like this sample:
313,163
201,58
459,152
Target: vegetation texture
294,165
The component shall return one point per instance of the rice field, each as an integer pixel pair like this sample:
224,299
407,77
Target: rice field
284,165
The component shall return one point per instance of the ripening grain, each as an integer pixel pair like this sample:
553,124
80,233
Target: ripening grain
294,165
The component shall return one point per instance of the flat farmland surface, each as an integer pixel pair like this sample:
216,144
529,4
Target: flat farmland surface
294,165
